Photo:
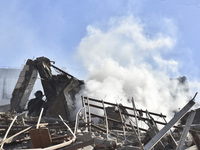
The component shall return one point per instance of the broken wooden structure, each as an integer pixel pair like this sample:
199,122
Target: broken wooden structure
56,87
100,125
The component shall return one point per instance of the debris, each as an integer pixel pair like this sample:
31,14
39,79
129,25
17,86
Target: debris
186,129
8,130
50,133
40,138
55,87
178,116
98,124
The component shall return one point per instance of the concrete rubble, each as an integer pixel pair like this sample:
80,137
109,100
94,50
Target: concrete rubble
98,124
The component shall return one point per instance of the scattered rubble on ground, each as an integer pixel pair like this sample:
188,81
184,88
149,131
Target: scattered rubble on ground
98,124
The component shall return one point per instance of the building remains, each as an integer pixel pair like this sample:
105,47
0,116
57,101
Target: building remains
98,124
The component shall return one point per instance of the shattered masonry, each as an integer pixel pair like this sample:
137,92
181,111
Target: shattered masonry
99,124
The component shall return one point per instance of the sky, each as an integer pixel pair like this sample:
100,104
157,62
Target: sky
121,48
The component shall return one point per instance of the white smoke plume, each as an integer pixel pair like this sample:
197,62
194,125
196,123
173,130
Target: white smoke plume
126,60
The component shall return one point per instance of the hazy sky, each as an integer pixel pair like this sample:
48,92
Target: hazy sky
54,29
148,40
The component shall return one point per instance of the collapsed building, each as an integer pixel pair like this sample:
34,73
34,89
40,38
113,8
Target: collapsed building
98,124
56,87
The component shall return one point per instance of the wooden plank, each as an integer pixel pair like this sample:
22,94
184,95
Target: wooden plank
60,145
5,136
164,130
77,120
122,121
110,119
80,145
137,136
186,129
67,127
40,116
105,115
152,113
130,115
40,138
135,114
15,135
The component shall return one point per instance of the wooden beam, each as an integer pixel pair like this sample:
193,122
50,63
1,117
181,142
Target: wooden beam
110,119
164,130
186,129
139,110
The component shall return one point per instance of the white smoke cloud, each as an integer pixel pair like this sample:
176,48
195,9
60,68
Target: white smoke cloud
126,60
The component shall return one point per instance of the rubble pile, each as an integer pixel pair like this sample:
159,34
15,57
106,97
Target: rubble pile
106,132
97,125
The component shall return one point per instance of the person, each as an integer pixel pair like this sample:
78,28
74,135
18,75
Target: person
35,104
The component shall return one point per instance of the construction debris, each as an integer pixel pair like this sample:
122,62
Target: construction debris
87,132
55,87
98,124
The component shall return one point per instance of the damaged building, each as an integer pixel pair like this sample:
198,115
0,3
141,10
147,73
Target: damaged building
98,124
56,87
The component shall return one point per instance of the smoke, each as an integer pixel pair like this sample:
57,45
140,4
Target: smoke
125,59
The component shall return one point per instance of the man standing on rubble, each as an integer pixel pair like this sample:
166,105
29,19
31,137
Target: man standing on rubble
35,104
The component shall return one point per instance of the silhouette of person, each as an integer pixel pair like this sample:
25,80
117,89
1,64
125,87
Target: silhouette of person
35,104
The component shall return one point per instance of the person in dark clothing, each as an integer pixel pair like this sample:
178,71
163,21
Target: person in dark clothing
35,104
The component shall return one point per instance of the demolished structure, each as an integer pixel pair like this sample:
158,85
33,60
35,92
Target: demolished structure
99,124
55,87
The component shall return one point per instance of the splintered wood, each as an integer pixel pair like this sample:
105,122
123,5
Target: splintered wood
101,125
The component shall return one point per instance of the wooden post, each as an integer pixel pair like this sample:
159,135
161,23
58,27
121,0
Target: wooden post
186,129
77,120
173,141
137,136
38,123
67,127
8,130
15,135
105,114
122,120
136,120
83,101
89,122
164,130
